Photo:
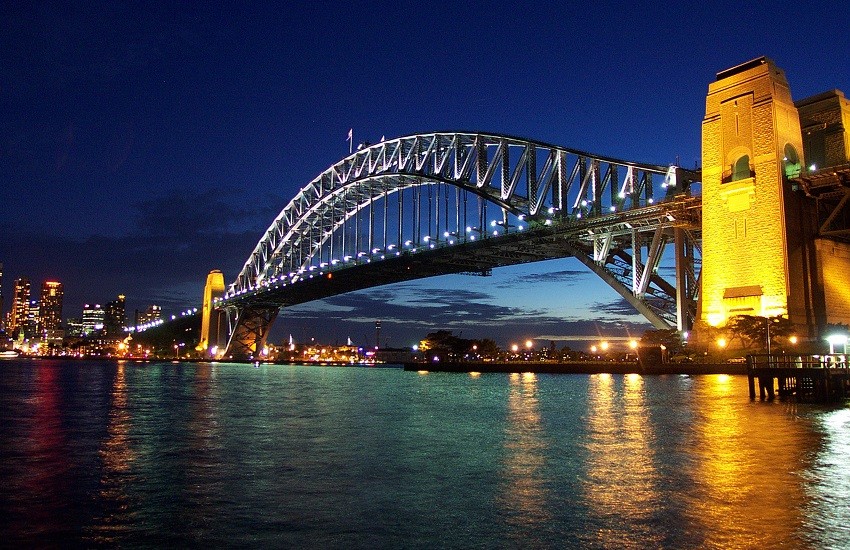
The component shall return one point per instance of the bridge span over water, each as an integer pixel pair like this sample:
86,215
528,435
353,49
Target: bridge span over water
453,202
768,234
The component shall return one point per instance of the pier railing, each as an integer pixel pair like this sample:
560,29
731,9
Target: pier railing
815,378
787,361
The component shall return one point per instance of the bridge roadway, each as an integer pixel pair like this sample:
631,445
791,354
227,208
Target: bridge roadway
568,237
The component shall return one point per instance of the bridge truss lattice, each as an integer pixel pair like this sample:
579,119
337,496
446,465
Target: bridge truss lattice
437,203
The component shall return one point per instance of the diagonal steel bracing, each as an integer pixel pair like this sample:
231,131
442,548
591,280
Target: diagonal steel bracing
468,202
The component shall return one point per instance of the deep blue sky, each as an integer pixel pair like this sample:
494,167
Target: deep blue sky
143,144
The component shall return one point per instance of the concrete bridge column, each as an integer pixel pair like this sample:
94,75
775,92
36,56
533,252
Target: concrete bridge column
750,232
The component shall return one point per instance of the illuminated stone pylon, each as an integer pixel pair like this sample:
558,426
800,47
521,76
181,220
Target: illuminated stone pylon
212,340
756,229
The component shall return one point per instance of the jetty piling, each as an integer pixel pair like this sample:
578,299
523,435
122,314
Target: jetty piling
806,378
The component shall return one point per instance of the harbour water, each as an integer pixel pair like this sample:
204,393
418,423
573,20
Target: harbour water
172,454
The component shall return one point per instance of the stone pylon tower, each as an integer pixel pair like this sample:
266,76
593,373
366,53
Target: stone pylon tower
211,328
756,229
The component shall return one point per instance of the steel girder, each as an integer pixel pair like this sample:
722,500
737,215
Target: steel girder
527,179
830,188
249,327
431,191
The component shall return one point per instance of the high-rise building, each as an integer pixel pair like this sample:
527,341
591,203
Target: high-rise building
50,308
151,315
20,304
32,326
93,316
115,318
74,327
1,296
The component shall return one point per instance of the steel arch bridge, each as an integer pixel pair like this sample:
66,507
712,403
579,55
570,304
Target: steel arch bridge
454,202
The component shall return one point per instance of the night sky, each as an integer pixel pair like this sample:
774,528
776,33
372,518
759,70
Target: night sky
144,144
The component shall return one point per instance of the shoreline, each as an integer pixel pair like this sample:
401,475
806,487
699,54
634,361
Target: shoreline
538,367
580,367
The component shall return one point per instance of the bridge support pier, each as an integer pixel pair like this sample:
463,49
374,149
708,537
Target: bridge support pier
249,329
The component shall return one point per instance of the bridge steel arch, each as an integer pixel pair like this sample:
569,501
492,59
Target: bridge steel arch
438,203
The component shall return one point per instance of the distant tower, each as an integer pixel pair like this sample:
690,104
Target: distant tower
115,317
51,306
20,304
93,317
1,296
755,228
210,317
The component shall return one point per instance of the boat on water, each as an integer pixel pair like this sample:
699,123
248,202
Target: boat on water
9,354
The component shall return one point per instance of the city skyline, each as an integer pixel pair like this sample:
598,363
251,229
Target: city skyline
147,130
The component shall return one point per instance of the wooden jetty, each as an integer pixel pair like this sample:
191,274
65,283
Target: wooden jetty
806,378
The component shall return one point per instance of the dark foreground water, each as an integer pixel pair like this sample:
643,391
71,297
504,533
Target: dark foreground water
161,454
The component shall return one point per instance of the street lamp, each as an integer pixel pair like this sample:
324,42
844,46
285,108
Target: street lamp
837,340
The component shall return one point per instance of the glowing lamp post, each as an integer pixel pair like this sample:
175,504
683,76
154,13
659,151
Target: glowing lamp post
837,340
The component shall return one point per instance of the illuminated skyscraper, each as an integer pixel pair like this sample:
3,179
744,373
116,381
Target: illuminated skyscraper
20,304
1,295
115,318
50,308
93,316
33,322
151,315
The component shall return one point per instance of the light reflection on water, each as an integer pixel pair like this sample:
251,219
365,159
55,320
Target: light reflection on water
746,466
524,494
99,454
828,482
620,485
